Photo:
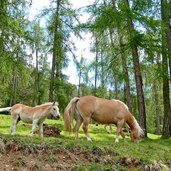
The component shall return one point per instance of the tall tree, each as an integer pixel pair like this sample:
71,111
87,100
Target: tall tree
138,76
123,56
56,45
165,65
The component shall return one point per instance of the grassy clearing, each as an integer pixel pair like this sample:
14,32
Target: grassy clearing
147,151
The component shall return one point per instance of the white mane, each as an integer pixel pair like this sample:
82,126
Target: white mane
48,104
120,102
140,131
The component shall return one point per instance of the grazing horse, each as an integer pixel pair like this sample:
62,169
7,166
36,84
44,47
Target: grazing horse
102,111
35,115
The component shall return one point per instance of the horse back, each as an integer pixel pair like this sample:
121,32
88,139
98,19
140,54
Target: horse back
22,110
102,110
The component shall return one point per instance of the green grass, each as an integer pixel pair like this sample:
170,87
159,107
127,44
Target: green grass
154,148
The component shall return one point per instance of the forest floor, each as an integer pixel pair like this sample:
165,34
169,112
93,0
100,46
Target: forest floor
57,152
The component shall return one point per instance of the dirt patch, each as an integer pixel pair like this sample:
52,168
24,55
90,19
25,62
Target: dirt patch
33,158
38,158
15,157
51,131
48,130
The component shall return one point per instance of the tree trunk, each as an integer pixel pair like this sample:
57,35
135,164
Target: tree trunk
138,77
165,58
14,88
124,65
157,108
79,84
169,48
96,68
36,99
54,58
126,76
3,20
116,87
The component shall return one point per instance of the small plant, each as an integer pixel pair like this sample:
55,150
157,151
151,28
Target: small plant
36,167
21,162
92,167
52,158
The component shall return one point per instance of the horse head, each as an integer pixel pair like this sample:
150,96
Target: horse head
55,110
136,134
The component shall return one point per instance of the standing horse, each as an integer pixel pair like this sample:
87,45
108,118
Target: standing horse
35,115
102,111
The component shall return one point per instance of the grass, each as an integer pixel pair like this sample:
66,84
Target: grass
154,148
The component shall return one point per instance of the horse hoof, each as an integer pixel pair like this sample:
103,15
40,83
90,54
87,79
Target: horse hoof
31,135
89,139
116,141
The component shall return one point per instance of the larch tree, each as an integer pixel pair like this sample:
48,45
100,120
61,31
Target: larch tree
137,70
165,30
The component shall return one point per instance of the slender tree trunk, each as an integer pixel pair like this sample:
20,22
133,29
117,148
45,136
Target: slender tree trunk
126,76
165,57
3,19
157,108
138,77
51,88
169,47
102,71
96,68
37,84
14,88
116,87
79,84
54,58
124,65
36,99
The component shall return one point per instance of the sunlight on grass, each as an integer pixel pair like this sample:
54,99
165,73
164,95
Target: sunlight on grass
153,136
5,123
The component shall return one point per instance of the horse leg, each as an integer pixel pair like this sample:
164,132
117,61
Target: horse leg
110,128
122,134
35,121
119,127
14,123
85,128
77,126
41,130
128,129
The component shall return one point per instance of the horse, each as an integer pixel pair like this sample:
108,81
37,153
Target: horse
33,115
102,111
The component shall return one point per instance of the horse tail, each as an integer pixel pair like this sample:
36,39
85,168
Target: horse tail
68,114
133,124
6,109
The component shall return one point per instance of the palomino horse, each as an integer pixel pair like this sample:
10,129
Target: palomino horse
102,111
35,115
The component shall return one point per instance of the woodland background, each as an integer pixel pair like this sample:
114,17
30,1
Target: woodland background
131,41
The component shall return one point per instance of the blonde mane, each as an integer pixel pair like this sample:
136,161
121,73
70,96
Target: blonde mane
121,103
47,104
137,126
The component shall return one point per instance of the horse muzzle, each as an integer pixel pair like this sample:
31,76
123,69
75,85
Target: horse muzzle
56,117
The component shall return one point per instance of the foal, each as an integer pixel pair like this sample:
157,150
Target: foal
35,115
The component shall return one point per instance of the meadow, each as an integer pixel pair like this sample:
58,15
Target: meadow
64,153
